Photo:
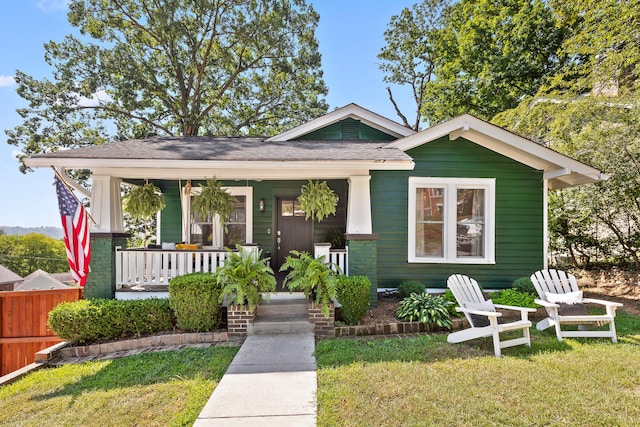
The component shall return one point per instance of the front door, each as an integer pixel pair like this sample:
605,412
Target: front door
292,230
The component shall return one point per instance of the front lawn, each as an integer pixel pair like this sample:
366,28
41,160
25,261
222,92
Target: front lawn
425,381
157,389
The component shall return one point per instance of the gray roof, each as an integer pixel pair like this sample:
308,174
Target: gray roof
8,276
235,149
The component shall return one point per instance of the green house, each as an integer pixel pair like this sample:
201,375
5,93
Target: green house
463,196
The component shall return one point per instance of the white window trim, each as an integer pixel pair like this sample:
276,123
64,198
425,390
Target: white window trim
451,185
234,191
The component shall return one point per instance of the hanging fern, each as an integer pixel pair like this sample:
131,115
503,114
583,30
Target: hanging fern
144,201
318,200
215,200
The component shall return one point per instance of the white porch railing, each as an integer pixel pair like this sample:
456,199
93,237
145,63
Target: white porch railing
157,266
337,257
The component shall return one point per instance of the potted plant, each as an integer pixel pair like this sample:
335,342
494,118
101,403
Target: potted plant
318,200
214,200
313,276
142,203
244,276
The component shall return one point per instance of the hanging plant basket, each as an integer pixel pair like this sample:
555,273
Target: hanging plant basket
144,201
318,200
214,200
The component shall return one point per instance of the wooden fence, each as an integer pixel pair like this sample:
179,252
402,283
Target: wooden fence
23,324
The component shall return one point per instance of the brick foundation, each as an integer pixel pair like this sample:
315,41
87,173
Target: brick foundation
324,326
238,320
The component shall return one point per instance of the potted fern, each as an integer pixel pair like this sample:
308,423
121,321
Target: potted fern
142,203
214,200
244,277
318,200
313,276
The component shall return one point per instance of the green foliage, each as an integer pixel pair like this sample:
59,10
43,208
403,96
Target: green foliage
143,201
352,292
409,287
311,276
524,284
514,297
248,67
318,200
213,200
194,300
425,308
102,320
25,254
335,236
448,296
244,276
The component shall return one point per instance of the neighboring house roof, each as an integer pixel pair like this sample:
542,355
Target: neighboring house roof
562,171
7,276
352,111
40,280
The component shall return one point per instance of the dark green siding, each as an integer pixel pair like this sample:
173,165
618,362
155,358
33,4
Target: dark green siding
518,225
348,129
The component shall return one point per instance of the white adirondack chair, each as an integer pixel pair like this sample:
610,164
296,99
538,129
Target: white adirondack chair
483,317
560,296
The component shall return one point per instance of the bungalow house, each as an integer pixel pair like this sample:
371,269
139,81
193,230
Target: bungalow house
463,196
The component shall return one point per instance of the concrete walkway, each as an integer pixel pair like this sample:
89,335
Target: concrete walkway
270,382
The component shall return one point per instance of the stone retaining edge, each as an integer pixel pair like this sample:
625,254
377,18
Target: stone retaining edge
395,328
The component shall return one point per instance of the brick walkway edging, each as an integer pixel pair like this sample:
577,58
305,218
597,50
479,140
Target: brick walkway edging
394,328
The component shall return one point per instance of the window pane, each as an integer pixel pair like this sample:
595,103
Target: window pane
287,208
470,223
430,222
297,210
235,234
429,240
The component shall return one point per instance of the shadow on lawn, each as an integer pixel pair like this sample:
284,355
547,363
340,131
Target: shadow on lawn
151,368
434,348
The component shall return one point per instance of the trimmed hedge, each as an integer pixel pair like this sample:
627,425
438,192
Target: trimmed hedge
194,300
353,295
102,320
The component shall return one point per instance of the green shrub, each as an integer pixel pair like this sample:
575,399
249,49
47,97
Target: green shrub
513,297
410,287
194,298
102,320
353,295
448,296
524,284
425,308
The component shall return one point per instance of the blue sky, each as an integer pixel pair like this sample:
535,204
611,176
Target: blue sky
350,35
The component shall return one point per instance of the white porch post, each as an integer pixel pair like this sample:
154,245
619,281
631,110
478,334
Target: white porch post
106,205
359,206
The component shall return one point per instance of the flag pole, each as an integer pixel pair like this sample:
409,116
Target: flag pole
72,193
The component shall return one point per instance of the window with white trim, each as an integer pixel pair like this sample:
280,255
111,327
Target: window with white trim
209,231
452,220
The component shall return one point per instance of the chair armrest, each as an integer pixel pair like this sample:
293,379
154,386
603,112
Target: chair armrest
602,302
513,307
545,303
481,313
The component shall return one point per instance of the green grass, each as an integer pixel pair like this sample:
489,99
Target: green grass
425,381
156,389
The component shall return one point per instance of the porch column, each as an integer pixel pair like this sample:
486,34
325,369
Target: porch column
362,244
106,234
359,206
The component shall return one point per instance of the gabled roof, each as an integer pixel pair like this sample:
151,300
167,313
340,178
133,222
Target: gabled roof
352,111
40,280
562,171
7,276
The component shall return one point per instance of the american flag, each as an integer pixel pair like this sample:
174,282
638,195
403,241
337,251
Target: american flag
76,232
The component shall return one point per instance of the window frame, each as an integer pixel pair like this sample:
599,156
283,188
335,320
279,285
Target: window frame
234,191
451,185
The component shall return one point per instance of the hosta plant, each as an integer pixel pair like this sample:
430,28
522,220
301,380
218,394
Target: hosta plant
425,308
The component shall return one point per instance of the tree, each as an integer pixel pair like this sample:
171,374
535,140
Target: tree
185,67
409,56
25,254
482,56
